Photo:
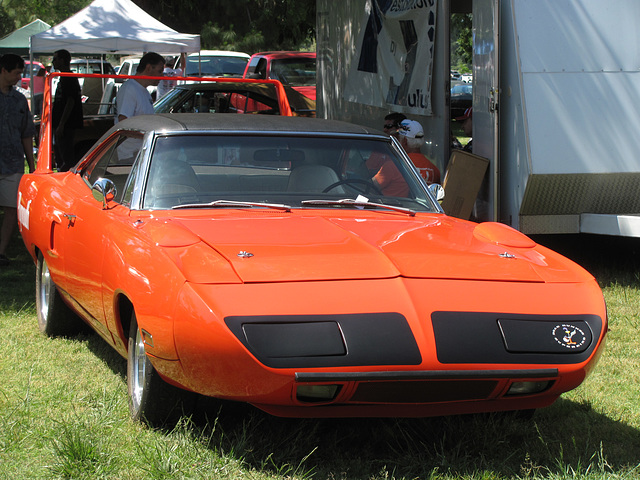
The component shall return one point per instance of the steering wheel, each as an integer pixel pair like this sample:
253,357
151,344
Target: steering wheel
368,186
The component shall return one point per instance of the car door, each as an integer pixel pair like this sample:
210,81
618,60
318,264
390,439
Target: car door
91,224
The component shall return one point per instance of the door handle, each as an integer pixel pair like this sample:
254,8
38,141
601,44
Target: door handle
71,218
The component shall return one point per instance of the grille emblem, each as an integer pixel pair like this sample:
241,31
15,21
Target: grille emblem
569,336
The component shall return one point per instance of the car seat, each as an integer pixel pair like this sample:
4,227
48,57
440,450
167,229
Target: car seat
175,182
313,178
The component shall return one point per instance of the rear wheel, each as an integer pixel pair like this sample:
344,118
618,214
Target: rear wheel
151,399
54,317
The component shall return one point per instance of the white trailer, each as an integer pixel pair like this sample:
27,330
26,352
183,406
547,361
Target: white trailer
556,99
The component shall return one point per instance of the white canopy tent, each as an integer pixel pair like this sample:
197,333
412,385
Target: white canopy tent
115,27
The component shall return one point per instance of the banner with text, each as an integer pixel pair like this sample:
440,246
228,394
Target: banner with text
393,61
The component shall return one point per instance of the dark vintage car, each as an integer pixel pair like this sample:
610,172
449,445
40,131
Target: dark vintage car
232,97
224,95
264,259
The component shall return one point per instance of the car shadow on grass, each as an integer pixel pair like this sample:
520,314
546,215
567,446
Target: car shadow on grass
569,438
17,280
566,437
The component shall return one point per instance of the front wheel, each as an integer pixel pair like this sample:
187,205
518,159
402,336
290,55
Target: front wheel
54,317
151,399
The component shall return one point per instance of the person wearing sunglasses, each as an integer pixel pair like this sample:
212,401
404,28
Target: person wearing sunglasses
392,123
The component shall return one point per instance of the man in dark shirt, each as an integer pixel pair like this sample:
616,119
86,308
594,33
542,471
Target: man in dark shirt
67,112
16,143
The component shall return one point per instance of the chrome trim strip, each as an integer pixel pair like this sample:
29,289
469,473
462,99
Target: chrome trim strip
423,375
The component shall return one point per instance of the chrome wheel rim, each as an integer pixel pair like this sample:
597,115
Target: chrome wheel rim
45,291
138,370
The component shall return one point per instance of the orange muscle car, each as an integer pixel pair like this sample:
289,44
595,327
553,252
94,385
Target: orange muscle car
303,266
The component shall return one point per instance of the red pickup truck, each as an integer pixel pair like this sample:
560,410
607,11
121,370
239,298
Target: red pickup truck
296,69
30,68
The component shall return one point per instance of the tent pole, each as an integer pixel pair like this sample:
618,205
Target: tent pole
30,77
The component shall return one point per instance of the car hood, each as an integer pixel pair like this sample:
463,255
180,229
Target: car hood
308,91
296,247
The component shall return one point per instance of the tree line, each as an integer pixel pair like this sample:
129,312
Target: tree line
242,25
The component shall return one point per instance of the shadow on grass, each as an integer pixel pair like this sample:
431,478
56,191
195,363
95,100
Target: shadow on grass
17,280
566,437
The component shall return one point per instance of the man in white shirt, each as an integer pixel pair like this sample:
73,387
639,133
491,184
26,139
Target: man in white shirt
165,86
133,98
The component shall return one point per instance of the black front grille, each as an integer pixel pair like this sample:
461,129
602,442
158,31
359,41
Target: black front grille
423,392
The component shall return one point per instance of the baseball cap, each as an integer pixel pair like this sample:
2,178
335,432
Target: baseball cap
468,113
411,129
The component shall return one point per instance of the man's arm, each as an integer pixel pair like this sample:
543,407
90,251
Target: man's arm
27,146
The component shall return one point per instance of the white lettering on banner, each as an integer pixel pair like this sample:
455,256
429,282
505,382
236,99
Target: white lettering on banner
404,5
393,61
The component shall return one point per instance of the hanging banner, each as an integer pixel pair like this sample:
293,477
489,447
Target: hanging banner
394,57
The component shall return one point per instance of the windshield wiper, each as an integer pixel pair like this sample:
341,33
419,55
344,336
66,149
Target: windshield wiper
233,204
359,203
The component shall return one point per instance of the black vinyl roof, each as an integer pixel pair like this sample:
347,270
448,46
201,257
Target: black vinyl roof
244,123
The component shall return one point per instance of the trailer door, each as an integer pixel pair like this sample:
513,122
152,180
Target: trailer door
485,99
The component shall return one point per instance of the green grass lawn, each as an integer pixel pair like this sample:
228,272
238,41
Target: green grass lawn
64,414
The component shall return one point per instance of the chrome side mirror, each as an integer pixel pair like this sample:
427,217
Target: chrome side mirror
104,190
437,191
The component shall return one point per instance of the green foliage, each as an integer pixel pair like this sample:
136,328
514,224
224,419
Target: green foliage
461,42
243,25
26,11
7,24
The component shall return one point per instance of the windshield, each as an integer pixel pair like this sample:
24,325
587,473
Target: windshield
92,67
35,67
461,90
296,72
215,66
259,171
220,98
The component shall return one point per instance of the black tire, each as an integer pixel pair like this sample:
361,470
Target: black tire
151,399
55,318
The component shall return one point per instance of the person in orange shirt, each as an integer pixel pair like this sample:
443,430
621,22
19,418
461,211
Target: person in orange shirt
411,136
385,174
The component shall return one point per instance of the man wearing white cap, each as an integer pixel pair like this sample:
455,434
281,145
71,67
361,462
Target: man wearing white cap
411,136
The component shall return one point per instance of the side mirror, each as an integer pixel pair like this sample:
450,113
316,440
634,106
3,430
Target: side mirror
437,191
104,190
